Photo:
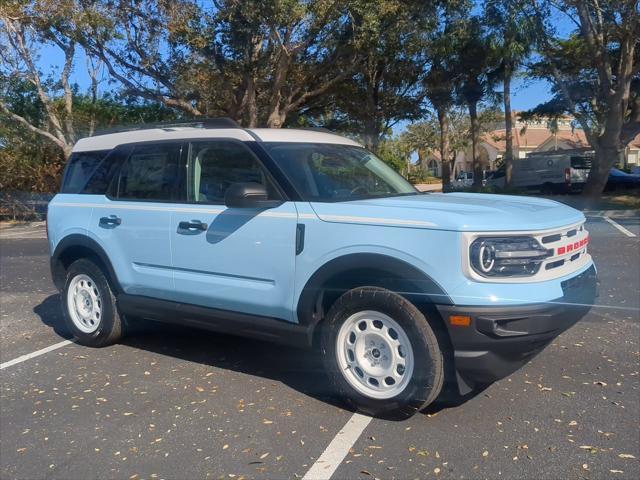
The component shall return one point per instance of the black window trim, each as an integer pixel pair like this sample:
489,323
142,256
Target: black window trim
280,182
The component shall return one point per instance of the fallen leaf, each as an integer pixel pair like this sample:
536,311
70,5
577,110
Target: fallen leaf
264,455
626,455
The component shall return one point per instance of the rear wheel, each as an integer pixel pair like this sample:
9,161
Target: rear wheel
381,353
89,306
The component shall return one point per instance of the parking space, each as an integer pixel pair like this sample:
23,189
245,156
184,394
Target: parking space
176,403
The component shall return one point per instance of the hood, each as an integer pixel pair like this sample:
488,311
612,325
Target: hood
465,212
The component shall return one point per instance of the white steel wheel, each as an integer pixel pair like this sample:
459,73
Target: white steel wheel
374,354
84,303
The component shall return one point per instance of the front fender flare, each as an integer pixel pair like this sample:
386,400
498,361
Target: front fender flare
407,279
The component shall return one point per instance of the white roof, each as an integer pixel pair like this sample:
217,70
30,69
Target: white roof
112,140
304,136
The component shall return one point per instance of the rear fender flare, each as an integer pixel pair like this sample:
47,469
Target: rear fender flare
78,245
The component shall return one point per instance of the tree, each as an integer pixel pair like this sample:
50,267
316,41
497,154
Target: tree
473,56
592,72
385,86
24,28
443,76
257,61
396,153
512,38
425,137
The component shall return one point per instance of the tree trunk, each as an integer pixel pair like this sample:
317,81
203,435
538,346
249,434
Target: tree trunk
605,158
443,120
275,119
475,165
252,106
508,125
371,134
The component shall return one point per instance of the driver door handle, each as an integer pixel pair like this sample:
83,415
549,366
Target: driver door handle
111,221
191,227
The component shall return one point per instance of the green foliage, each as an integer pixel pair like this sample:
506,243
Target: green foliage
356,66
395,153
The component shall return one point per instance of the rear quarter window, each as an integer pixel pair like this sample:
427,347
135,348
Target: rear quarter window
80,168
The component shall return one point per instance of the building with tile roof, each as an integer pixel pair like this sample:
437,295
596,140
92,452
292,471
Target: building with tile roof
530,136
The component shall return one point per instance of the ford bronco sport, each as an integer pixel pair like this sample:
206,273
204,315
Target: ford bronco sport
305,238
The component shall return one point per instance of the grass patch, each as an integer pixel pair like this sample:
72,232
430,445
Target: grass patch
628,201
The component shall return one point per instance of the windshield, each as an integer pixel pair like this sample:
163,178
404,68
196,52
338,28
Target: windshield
334,173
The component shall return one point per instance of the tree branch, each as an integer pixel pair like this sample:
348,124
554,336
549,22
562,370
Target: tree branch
25,123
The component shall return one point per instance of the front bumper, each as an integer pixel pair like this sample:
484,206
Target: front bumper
500,339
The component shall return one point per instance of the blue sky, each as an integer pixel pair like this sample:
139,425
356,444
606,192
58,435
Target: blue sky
526,93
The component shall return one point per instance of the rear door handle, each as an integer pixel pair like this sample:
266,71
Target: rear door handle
111,221
191,227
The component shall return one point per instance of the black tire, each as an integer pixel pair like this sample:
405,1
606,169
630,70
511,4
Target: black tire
110,326
428,373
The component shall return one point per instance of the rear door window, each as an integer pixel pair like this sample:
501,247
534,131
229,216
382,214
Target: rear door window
80,168
150,173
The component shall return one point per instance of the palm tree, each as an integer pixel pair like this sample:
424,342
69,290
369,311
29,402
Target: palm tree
473,61
512,39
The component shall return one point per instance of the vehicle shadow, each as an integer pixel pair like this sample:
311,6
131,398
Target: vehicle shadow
228,222
299,369
50,313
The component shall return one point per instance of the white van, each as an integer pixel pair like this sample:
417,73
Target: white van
549,172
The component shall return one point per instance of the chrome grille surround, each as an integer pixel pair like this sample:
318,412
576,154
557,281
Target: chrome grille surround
557,265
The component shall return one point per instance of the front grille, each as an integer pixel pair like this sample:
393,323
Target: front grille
568,246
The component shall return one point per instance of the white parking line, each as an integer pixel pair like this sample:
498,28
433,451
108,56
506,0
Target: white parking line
31,355
620,227
333,455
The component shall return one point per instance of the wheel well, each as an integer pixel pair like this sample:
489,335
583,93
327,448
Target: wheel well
336,277
64,259
337,284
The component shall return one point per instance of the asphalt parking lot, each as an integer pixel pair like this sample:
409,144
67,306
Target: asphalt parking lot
175,403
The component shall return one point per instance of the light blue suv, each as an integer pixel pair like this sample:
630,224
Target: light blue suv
305,238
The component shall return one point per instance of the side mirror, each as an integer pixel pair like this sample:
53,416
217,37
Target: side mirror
248,195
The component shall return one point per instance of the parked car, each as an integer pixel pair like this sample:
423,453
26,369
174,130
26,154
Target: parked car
305,238
558,171
619,179
465,179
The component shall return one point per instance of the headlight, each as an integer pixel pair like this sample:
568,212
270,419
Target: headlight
507,256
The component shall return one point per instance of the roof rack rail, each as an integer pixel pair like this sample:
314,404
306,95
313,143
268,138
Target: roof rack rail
217,122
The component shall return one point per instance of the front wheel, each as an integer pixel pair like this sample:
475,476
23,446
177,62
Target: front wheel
381,353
